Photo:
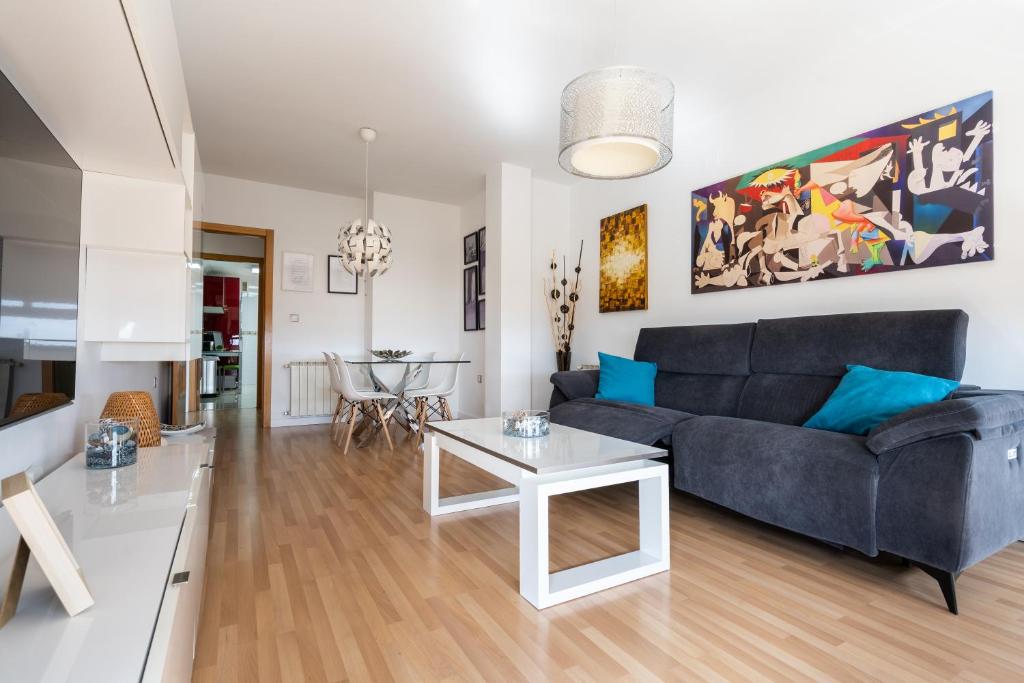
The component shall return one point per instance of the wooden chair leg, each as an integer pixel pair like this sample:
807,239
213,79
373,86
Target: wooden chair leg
384,425
337,410
446,409
421,417
351,426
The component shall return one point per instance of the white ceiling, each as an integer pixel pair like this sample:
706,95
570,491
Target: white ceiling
278,89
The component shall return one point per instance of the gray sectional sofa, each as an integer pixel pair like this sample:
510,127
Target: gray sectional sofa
941,486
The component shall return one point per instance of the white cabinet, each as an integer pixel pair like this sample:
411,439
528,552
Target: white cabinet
130,213
78,66
171,654
135,296
152,26
131,531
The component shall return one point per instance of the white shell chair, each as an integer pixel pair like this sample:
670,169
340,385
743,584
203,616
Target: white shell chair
439,392
332,368
369,403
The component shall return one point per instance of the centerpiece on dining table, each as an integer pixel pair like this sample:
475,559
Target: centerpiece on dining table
390,354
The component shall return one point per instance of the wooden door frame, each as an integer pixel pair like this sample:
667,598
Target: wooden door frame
265,324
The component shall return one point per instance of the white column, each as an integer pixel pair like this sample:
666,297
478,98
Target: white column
509,289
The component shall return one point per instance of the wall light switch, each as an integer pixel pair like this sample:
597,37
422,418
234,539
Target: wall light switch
479,379
1011,454
293,317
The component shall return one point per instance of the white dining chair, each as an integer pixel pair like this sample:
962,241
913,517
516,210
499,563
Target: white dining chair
439,392
421,380
369,403
336,386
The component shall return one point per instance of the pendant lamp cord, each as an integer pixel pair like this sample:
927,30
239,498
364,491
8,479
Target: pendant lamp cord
366,202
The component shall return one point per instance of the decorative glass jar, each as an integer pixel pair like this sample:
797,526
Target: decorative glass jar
526,423
111,443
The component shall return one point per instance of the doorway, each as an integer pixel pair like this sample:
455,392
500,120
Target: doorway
230,332
247,248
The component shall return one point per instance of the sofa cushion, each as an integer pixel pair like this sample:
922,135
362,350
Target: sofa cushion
822,484
630,421
576,383
699,394
926,342
697,349
786,399
867,397
622,379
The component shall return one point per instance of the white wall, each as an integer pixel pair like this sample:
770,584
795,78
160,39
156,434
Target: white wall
720,135
416,302
550,233
233,245
306,222
471,391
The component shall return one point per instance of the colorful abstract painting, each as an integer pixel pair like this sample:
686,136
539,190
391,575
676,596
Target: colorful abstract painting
913,194
623,261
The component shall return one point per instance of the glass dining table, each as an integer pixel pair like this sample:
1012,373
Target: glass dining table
412,368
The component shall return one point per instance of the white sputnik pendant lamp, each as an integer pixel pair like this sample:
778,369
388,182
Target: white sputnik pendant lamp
616,123
365,245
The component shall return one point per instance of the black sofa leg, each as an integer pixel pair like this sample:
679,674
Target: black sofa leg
947,582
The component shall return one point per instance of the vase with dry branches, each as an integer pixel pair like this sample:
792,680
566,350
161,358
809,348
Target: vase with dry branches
562,296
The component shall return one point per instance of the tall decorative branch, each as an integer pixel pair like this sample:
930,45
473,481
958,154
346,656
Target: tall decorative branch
561,300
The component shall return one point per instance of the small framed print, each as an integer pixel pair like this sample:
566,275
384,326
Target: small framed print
481,249
469,248
297,272
481,306
40,537
339,280
470,299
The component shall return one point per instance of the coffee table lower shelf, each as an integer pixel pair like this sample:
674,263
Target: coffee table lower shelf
532,491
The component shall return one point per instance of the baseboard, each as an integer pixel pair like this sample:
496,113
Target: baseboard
285,421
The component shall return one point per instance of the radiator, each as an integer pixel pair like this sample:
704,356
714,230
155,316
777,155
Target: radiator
311,394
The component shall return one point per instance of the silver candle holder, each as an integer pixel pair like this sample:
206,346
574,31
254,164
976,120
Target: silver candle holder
526,423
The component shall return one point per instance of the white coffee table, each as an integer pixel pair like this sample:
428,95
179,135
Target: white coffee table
567,460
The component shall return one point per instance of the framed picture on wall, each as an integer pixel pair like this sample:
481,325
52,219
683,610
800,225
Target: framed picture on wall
480,309
481,248
470,299
469,248
297,272
339,280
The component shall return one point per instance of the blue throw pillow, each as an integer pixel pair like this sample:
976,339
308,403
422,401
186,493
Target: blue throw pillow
626,380
867,397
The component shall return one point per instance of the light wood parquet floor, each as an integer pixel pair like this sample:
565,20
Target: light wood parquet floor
323,567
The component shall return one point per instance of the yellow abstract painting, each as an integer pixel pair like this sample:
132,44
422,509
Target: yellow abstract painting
623,270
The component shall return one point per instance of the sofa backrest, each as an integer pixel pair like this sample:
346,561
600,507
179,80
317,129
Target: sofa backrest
782,370
701,368
797,362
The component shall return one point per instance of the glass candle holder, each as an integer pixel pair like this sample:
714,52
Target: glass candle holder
526,423
111,443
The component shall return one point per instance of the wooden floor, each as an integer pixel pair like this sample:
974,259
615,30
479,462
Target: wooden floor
323,567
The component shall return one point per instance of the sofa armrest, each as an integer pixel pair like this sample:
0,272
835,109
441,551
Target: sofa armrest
982,414
572,384
951,501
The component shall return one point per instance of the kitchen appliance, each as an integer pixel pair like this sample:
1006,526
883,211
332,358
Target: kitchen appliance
208,381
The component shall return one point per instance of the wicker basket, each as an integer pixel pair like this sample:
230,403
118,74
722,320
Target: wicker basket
138,404
29,404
